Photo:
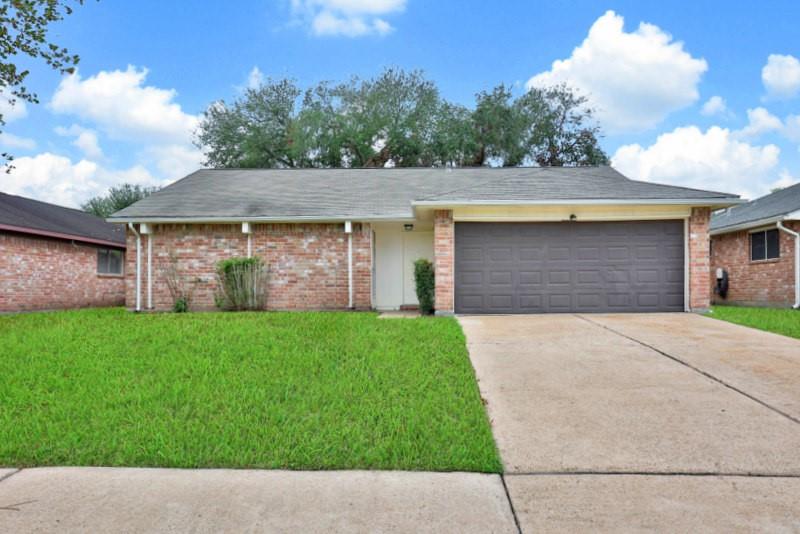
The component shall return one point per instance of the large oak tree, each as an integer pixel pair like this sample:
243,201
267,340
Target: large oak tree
397,119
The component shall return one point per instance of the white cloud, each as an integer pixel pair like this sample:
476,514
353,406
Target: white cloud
121,105
785,179
174,161
759,122
633,79
9,111
715,105
86,140
16,142
57,179
712,160
255,79
781,76
349,18
791,128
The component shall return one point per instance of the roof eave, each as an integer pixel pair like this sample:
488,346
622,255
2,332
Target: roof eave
59,235
793,216
228,219
710,202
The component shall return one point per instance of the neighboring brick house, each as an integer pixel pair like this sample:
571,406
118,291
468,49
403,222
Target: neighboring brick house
506,240
53,257
755,244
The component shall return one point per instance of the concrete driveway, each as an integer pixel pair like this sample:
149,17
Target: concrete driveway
651,421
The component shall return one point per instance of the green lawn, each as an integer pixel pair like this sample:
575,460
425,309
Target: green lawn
779,320
269,390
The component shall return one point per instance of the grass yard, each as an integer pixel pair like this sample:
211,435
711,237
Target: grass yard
269,390
779,320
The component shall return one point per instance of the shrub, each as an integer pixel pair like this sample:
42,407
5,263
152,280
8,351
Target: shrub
242,284
180,289
181,305
426,283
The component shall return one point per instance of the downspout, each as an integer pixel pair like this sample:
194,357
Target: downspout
150,271
796,263
138,267
348,229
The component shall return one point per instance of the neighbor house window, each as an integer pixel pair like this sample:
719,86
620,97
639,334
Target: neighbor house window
765,245
109,261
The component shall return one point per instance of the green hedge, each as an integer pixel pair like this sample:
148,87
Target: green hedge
425,281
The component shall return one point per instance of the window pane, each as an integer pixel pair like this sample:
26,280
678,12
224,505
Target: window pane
115,262
102,261
773,244
758,246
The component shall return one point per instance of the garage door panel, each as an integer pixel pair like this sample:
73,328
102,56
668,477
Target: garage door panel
569,267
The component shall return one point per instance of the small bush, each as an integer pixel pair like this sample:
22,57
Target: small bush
181,305
180,289
242,284
426,284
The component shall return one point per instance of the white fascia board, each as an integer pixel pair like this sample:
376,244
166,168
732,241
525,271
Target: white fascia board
604,202
238,220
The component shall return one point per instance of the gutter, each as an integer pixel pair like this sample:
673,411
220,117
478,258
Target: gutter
236,220
796,262
747,225
138,267
722,202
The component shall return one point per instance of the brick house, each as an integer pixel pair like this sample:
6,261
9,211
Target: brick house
506,240
53,257
755,245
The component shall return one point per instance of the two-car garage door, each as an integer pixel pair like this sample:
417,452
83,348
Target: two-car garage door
632,266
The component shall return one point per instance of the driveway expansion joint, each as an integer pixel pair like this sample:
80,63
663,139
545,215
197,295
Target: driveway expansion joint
695,369
510,503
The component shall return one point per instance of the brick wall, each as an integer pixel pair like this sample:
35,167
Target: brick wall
307,263
761,283
47,274
699,261
444,258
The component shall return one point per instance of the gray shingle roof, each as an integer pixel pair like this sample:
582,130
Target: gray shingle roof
387,193
36,216
774,205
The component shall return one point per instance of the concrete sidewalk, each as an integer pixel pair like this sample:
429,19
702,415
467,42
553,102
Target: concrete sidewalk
73,499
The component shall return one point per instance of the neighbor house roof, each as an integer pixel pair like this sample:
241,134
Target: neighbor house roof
764,210
340,194
25,215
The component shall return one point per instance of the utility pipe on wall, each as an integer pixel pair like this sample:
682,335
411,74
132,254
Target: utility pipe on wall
248,230
146,229
138,267
348,229
796,263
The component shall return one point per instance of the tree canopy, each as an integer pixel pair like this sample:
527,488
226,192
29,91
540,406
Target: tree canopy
397,119
117,198
25,25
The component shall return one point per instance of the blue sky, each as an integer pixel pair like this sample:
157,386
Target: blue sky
703,94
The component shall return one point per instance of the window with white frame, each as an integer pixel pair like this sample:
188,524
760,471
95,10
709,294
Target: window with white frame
765,245
109,261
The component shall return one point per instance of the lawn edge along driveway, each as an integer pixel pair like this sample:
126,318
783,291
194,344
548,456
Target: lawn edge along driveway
783,321
278,390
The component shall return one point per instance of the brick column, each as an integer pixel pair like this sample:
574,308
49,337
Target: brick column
699,262
443,259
